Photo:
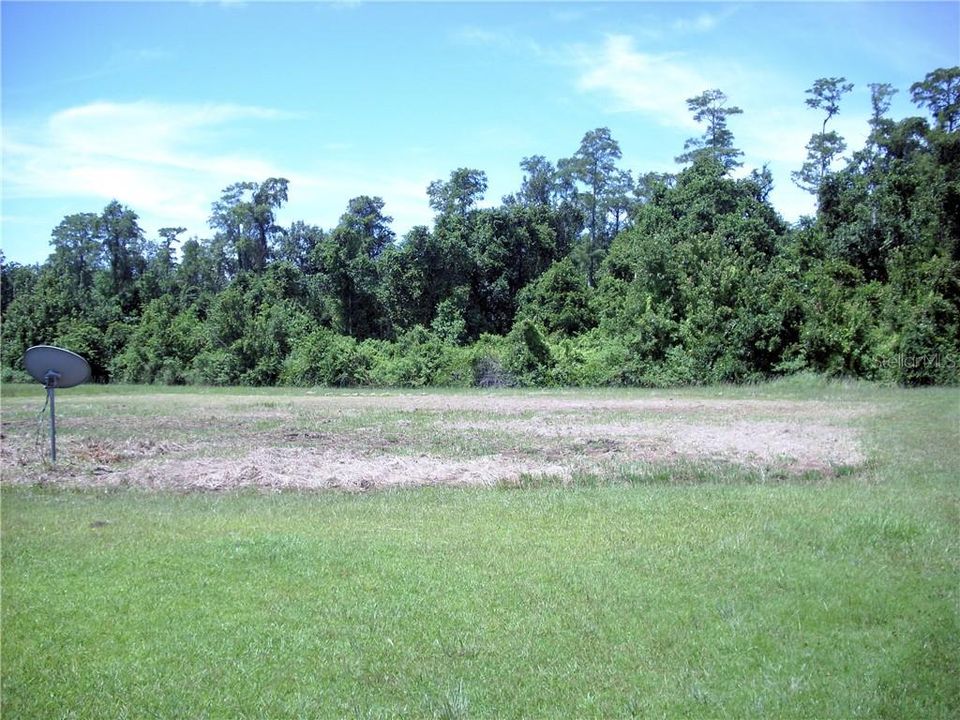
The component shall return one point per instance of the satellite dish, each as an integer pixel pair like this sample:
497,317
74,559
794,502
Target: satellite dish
52,365
55,368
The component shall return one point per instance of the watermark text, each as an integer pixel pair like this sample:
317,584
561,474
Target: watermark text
930,361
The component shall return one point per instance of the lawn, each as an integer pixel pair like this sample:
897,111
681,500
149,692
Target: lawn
610,580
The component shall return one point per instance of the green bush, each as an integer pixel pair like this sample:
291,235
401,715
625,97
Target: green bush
325,358
87,340
14,375
162,347
924,312
528,357
214,367
418,358
593,359
928,352
559,300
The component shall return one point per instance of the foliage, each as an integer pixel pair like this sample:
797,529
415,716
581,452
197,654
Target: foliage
686,287
325,358
940,92
589,274
460,194
162,347
418,358
528,357
824,147
605,189
559,300
245,218
717,140
349,267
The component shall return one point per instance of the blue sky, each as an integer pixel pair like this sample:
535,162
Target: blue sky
162,105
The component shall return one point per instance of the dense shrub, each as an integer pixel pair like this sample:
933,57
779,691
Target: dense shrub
559,300
417,358
214,367
326,358
528,358
162,347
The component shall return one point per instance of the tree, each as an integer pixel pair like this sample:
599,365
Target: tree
897,197
261,214
939,91
123,246
348,261
77,253
424,271
245,217
822,150
619,201
203,270
763,181
509,248
158,276
588,273
458,195
567,206
717,139
594,165
685,288
539,181
880,96
165,252
559,300
296,245
823,147
651,185
365,219
15,280
826,94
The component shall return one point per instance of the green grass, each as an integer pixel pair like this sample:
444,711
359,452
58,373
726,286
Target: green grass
628,596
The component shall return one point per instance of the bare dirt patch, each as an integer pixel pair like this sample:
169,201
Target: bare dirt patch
278,469
366,441
791,445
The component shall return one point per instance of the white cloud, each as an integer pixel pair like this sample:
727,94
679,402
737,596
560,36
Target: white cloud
148,155
704,22
146,132
474,35
504,39
162,161
656,85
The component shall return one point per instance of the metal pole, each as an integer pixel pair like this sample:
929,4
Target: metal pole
51,394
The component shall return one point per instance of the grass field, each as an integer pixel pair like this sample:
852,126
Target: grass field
785,550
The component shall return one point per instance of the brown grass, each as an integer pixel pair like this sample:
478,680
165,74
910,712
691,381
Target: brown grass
372,441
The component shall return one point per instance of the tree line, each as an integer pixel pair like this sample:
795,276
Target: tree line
586,275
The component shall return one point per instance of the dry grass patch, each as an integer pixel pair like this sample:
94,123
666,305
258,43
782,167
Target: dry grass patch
365,441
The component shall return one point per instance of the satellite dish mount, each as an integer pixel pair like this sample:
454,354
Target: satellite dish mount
55,368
